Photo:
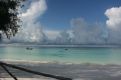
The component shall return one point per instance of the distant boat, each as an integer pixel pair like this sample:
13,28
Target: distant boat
28,48
66,49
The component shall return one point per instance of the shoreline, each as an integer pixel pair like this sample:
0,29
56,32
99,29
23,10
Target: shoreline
54,62
62,46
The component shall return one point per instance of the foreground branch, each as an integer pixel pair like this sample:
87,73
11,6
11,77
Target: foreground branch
35,72
8,72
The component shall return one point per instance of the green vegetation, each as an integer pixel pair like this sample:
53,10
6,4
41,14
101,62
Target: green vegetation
8,17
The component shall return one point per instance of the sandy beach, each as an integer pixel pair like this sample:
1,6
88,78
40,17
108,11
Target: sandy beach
84,71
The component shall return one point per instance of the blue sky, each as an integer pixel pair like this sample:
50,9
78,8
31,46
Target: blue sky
60,12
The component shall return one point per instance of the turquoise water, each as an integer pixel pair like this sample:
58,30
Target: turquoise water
71,55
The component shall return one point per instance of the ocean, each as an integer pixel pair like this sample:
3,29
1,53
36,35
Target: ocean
74,55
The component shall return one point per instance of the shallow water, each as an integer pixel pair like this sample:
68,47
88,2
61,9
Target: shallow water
68,55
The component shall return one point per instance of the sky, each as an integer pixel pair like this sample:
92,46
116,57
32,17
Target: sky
70,22
60,12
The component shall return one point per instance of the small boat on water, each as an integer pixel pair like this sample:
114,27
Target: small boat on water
29,48
66,49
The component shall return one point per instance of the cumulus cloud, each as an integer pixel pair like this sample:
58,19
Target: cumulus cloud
31,30
36,9
114,25
64,37
85,33
114,17
51,34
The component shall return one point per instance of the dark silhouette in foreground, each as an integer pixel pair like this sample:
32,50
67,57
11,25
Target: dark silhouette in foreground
9,17
4,65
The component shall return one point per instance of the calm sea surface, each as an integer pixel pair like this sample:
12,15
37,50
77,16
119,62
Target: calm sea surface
69,55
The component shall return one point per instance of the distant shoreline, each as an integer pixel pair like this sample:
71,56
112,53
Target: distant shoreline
62,46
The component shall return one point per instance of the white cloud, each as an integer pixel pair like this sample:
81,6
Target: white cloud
31,30
37,8
63,38
114,17
51,34
85,33
114,25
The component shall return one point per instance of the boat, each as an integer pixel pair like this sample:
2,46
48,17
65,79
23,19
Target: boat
66,49
29,48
